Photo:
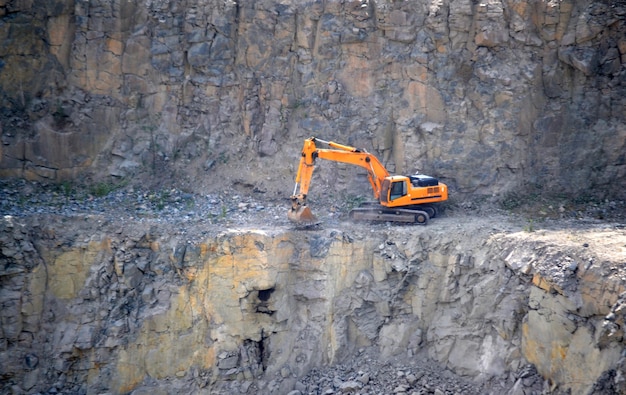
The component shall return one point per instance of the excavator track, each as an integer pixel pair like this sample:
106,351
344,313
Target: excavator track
372,213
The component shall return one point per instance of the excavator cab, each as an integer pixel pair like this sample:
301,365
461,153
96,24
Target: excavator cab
414,190
392,188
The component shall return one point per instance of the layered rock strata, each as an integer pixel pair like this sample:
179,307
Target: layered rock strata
90,306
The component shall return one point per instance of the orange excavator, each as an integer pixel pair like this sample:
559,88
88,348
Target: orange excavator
409,199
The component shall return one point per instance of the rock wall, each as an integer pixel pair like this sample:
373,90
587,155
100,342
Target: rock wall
114,309
489,96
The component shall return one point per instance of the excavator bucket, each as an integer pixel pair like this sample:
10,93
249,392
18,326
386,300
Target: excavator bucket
301,215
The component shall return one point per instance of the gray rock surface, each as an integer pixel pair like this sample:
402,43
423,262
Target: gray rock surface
491,97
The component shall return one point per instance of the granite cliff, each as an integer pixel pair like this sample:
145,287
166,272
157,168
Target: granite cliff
493,96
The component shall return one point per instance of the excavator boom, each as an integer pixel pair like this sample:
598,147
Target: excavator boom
300,212
341,153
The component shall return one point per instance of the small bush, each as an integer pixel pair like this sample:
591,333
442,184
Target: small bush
511,201
102,189
353,201
530,226
66,188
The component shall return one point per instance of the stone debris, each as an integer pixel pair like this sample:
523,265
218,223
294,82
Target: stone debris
394,376
167,206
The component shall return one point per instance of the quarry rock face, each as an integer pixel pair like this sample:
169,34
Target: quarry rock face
489,96
110,308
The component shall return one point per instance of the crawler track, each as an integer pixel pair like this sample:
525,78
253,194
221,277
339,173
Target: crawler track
380,213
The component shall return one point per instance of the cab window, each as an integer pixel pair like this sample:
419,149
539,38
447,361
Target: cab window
397,190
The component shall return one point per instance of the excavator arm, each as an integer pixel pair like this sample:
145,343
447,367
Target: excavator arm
376,173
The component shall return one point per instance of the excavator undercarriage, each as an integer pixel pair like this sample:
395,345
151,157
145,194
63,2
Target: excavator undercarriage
373,211
302,215
395,215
